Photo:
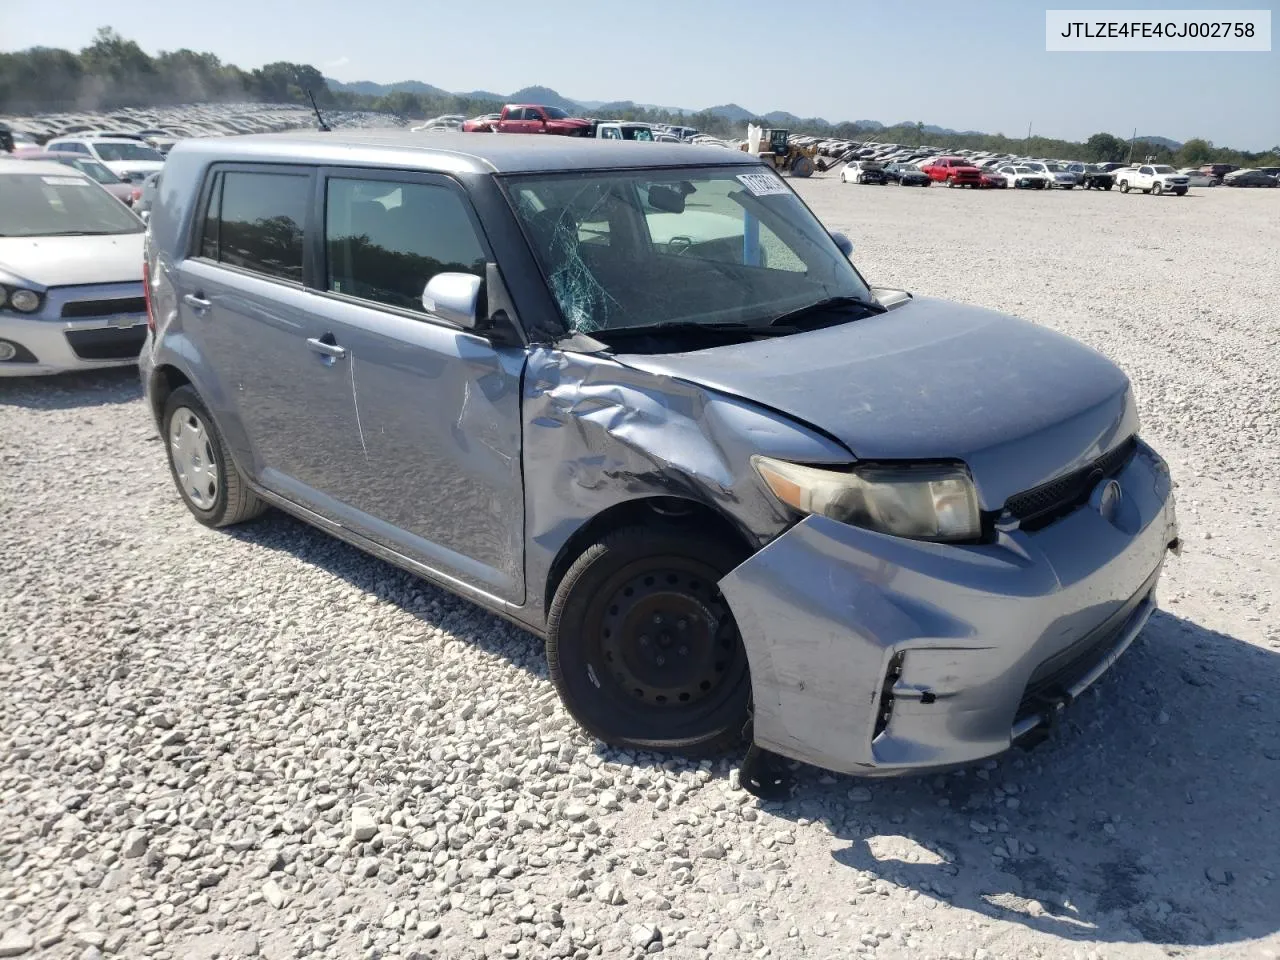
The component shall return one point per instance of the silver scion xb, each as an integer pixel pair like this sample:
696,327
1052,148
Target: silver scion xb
636,398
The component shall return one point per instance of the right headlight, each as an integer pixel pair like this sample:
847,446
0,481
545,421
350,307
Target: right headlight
25,301
925,502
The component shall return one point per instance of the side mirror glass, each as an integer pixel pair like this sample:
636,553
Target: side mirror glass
843,242
453,297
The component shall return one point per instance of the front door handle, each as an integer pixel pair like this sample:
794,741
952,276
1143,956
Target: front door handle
326,346
196,302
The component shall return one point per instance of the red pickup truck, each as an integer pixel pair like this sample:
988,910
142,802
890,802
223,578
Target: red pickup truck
954,172
531,118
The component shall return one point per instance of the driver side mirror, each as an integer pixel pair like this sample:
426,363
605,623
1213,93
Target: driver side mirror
454,298
843,242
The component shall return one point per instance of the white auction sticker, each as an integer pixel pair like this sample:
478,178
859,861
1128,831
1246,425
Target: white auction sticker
1115,31
65,181
762,184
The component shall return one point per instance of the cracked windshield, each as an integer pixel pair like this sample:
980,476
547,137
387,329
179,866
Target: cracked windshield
713,246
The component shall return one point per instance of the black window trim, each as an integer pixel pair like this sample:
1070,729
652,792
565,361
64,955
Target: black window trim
316,245
211,177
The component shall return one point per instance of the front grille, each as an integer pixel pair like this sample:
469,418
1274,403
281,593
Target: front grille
103,308
111,343
1066,667
1040,506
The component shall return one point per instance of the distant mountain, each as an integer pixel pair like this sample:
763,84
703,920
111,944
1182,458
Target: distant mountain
782,118
731,111
1160,142
933,128
868,124
545,96
367,88
482,95
618,106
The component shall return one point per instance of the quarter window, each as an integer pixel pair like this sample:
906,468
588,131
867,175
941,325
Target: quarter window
255,222
384,240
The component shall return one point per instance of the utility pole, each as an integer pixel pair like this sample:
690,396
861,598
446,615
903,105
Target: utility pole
1026,146
1131,139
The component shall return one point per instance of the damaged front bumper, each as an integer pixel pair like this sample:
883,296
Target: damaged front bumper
875,655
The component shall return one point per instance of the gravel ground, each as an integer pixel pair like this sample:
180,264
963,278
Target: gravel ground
263,743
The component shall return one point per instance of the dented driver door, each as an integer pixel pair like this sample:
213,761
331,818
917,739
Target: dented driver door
437,408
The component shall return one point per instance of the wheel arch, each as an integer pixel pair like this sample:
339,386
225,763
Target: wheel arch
165,379
697,515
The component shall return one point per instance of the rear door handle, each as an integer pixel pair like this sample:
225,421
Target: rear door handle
197,303
328,349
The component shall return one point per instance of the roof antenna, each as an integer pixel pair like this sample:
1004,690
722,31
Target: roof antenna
324,127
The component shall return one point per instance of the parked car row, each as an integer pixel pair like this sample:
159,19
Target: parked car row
540,118
958,171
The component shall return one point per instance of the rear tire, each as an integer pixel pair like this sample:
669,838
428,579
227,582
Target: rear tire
802,167
201,464
642,648
1124,186
1108,186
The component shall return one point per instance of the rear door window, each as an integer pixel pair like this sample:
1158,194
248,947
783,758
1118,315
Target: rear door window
384,239
255,221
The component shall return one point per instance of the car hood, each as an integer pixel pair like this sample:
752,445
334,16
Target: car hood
119,167
933,380
64,261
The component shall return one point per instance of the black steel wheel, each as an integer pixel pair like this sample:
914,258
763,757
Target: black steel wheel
644,650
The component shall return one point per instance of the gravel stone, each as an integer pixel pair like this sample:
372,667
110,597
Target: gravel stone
272,893
14,943
363,826
135,844
643,934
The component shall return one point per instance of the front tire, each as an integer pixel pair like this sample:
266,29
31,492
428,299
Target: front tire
1157,188
1180,192
644,650
201,464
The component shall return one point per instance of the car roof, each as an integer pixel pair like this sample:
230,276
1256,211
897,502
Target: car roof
456,152
36,167
95,138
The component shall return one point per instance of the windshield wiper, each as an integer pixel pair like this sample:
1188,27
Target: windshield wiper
829,305
686,326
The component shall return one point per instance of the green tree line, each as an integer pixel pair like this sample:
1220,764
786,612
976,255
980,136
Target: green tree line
113,72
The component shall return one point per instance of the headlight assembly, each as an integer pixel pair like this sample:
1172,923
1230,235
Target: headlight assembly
24,301
925,502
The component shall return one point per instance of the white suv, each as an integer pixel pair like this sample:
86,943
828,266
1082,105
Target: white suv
125,157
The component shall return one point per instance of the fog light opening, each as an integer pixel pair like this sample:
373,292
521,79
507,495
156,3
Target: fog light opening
885,710
7,351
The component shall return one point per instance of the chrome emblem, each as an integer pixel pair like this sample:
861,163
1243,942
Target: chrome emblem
1108,499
